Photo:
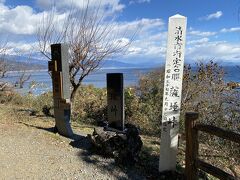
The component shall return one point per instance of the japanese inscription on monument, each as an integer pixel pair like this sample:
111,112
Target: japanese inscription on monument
172,92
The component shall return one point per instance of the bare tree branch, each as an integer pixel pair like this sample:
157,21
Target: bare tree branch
91,38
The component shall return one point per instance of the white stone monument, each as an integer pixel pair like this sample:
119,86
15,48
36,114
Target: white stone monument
172,92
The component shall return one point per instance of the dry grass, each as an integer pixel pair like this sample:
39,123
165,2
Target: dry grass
149,157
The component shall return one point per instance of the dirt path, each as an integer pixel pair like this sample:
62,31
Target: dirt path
28,150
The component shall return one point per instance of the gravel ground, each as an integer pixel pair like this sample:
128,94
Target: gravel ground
28,150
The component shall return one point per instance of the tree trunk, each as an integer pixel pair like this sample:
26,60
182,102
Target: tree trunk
73,93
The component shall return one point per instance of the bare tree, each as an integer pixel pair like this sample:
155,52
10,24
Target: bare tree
22,79
3,65
91,36
3,68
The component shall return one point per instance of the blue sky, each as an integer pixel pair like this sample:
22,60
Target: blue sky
213,29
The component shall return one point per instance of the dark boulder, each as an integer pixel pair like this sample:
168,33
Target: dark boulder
123,146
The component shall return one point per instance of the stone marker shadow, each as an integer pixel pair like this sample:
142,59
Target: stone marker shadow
104,163
80,142
109,166
49,129
74,137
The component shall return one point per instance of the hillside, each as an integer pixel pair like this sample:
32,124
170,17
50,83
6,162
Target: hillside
13,65
27,138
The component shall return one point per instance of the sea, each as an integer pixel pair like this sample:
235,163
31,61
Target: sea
40,81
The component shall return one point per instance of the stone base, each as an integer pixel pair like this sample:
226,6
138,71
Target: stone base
124,146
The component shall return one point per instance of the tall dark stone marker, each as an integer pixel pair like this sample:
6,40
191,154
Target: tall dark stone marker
115,101
59,68
118,140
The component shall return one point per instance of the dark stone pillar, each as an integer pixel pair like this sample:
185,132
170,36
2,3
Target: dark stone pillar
115,101
59,68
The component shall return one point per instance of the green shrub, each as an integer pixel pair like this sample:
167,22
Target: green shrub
29,101
144,102
11,97
42,101
90,104
204,91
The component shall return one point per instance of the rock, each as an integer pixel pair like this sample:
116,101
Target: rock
33,112
47,110
124,146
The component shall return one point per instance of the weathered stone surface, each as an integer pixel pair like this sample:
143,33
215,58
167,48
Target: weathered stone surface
123,146
172,92
115,100
59,68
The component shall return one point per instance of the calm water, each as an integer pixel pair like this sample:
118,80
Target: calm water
98,78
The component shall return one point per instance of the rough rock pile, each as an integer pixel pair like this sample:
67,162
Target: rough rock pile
124,146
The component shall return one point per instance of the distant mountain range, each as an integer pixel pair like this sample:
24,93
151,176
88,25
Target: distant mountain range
16,63
119,64
26,59
21,62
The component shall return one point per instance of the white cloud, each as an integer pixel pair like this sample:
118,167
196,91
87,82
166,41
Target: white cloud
201,33
106,5
121,41
234,29
133,51
144,26
22,20
218,50
18,20
198,41
216,15
150,46
21,48
154,47
150,41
